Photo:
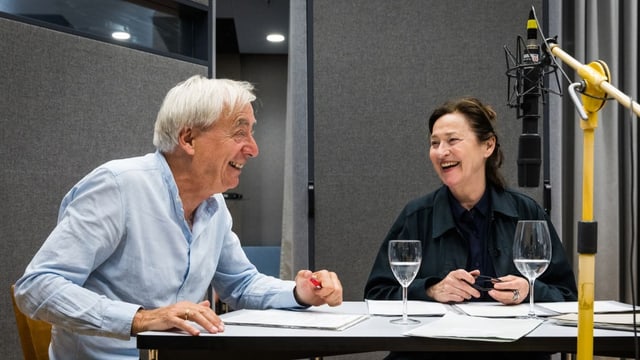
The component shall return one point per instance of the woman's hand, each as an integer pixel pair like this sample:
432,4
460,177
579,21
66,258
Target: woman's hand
510,290
455,287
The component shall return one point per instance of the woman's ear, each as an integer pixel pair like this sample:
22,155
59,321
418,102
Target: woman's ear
490,146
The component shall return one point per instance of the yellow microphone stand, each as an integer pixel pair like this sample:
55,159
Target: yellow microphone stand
595,89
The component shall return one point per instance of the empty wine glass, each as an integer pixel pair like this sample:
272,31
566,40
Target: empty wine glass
532,253
405,257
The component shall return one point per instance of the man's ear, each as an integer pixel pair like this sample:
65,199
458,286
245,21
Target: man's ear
186,140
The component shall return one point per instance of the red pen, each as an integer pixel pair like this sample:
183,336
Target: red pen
316,283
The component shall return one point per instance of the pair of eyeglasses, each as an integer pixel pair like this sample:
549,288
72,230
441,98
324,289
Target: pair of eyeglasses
484,283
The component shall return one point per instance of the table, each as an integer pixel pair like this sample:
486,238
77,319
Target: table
374,334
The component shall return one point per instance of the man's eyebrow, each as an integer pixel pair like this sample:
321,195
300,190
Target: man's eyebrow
242,121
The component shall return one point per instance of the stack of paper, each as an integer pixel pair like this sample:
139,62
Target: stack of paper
599,306
607,314
616,321
293,319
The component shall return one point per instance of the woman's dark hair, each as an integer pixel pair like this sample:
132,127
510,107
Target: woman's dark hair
482,119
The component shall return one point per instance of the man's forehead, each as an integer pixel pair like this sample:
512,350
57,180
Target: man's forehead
245,117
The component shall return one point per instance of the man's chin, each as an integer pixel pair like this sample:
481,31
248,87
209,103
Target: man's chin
232,185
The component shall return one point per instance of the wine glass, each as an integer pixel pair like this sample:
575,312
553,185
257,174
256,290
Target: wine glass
405,257
532,253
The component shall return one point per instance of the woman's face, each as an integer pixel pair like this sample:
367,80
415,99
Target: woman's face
456,154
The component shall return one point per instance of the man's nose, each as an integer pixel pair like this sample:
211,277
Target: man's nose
251,149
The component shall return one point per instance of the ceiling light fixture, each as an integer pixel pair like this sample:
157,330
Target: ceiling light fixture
121,35
275,38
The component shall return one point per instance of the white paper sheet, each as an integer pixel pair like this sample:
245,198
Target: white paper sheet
455,326
414,308
499,310
293,319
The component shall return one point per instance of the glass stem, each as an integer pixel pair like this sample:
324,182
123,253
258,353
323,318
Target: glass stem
404,304
532,312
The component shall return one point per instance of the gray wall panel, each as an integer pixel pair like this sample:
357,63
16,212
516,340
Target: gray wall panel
263,180
380,67
257,218
67,104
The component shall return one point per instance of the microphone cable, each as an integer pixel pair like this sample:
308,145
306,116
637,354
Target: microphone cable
633,236
556,65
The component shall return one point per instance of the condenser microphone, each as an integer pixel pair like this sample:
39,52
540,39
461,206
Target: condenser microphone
529,86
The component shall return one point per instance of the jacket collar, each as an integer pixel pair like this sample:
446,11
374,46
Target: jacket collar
443,218
502,203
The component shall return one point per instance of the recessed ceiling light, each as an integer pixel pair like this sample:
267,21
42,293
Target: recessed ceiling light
275,37
121,35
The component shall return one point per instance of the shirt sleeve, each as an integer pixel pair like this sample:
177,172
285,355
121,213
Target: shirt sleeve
90,226
240,285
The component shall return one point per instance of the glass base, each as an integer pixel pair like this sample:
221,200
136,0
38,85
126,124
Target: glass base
531,316
528,317
401,321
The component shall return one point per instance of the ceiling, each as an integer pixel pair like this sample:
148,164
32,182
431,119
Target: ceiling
254,19
245,22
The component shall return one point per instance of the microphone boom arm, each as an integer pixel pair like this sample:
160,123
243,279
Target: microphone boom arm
595,78
594,88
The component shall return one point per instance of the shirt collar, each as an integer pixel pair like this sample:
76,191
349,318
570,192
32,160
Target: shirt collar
167,175
205,210
444,208
482,206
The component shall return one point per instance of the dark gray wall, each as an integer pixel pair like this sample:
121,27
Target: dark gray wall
257,217
380,67
67,104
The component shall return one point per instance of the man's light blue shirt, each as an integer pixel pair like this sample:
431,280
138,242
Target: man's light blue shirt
122,243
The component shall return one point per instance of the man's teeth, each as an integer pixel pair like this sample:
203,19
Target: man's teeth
236,165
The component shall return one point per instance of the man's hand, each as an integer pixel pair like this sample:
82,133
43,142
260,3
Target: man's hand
325,288
179,316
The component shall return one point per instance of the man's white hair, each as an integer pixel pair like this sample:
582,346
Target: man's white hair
198,102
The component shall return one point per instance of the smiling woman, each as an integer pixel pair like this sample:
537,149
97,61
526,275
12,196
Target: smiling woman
466,227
